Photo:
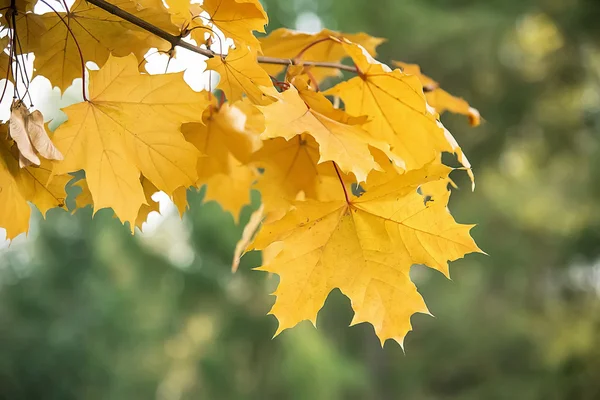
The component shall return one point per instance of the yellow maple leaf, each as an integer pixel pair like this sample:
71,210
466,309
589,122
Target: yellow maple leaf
398,111
347,145
131,125
150,206
221,132
290,167
20,185
286,43
365,247
240,73
84,198
231,191
4,60
247,235
98,35
225,141
438,98
237,19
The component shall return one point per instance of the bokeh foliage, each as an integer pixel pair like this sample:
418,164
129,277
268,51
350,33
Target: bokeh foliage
89,312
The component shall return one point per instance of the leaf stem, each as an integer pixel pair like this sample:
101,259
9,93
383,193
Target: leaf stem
337,171
178,40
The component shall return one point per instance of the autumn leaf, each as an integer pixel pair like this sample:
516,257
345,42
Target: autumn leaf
397,108
240,73
347,145
130,126
288,43
237,19
226,142
97,35
290,167
4,60
438,98
247,235
231,191
353,189
150,206
84,199
364,247
20,185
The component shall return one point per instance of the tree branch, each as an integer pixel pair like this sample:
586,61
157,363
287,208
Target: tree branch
178,40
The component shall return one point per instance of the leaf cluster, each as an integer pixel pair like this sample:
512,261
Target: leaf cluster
305,149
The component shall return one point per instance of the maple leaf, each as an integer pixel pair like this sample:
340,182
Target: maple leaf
84,199
365,247
130,125
237,19
290,167
347,145
225,141
397,108
247,235
4,60
240,73
438,98
286,43
231,191
20,185
97,33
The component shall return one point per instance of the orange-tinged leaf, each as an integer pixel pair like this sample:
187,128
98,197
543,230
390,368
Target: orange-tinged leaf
240,73
365,248
440,99
237,19
20,185
286,43
130,126
98,34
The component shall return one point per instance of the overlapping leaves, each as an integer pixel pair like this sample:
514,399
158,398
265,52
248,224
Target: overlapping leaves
136,134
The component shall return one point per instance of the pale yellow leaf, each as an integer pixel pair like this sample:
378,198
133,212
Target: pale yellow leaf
237,19
240,74
131,125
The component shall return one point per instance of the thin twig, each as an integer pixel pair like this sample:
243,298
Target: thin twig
178,40
23,68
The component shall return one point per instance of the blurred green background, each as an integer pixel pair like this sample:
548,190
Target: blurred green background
89,312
